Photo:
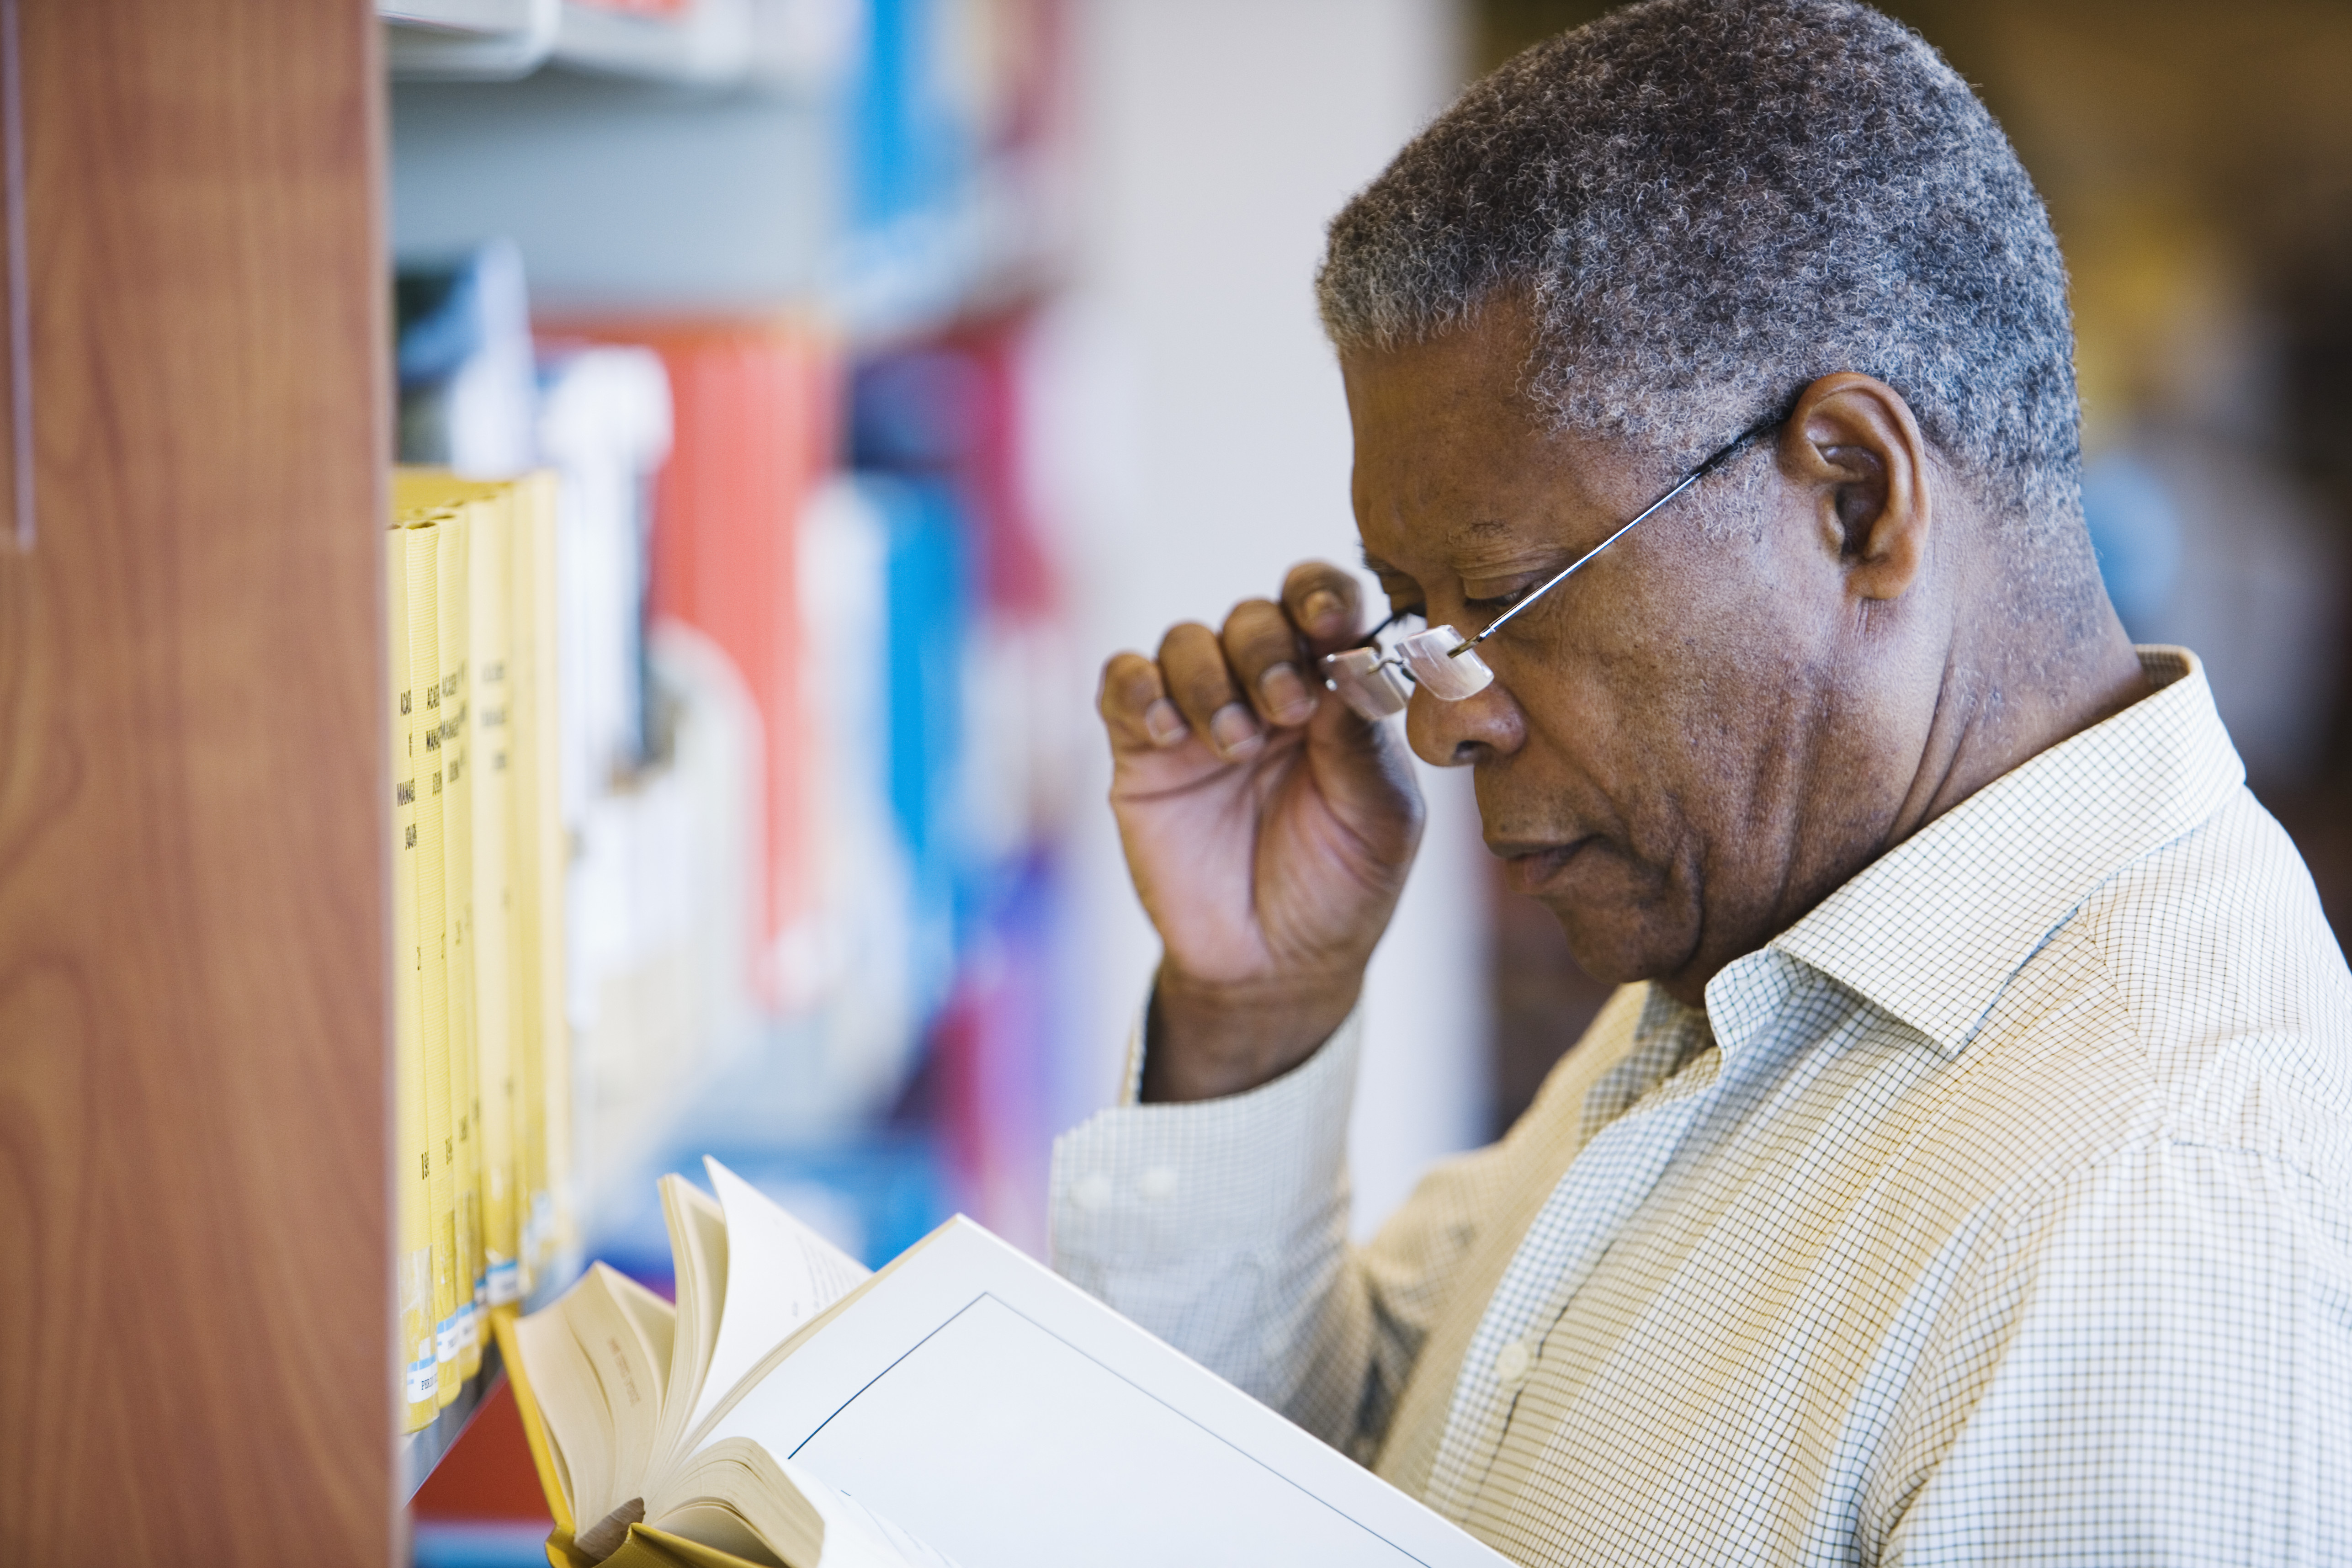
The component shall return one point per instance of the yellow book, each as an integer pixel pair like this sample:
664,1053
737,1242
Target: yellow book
491,776
423,538
453,558
412,1264
536,1040
543,1040
488,793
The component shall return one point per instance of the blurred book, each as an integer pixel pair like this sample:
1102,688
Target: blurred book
605,427
468,394
753,429
467,41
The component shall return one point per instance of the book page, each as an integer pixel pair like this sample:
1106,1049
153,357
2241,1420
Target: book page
780,1274
655,1322
739,1498
698,1251
992,1409
571,1399
854,1534
612,1337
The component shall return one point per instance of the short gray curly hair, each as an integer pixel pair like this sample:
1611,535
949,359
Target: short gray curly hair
1707,203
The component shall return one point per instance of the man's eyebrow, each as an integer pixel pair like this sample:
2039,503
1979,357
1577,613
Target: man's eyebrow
1480,531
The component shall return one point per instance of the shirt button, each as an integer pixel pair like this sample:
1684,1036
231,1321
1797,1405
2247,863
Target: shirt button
1091,1192
1159,1182
1511,1364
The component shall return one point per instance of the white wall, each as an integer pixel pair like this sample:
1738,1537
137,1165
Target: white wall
1196,443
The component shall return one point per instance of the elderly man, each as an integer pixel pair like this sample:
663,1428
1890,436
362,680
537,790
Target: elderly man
1964,1171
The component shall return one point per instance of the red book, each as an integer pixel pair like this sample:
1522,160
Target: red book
752,410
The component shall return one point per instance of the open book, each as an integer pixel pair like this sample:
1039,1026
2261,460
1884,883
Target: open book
965,1405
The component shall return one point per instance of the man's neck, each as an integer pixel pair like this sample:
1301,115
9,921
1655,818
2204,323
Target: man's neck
1994,715
1995,712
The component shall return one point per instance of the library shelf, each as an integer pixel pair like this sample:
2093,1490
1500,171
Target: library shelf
417,1453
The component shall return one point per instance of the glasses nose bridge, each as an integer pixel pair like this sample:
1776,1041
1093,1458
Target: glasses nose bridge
1443,662
1377,678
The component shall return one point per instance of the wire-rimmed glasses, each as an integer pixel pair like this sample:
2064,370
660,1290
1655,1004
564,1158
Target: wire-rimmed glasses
1377,681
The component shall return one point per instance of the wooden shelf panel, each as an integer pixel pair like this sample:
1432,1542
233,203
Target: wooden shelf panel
193,958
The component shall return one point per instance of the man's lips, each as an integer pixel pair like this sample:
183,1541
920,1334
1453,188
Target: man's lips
1530,869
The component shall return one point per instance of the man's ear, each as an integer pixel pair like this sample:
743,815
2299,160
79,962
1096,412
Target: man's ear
1852,442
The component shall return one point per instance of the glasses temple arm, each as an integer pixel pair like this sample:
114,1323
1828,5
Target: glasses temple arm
1721,456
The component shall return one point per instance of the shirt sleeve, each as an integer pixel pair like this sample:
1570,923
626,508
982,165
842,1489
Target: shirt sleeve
1219,1225
2152,1364
1222,1227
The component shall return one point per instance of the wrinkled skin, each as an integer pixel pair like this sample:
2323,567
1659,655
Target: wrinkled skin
1781,675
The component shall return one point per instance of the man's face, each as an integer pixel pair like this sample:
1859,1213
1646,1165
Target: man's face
1646,757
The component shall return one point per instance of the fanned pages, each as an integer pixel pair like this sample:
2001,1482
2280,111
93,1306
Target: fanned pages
781,1274
964,1406
623,1377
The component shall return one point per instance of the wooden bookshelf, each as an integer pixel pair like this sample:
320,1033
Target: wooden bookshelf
193,1148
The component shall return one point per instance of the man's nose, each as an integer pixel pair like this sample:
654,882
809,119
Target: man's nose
1458,734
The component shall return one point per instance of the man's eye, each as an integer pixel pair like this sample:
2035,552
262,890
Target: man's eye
1495,604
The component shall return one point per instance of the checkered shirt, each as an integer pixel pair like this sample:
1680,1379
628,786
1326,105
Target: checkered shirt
1998,1211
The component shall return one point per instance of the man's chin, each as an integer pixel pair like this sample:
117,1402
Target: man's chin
1617,942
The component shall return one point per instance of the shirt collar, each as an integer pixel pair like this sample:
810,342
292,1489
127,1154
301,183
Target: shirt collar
1934,928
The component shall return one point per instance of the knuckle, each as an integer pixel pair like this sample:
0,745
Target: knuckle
1130,681
1209,684
1308,575
1185,640
1257,627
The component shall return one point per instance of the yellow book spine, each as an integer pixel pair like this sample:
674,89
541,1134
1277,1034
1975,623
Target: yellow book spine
432,926
532,1204
538,490
453,558
491,777
411,1263
543,1042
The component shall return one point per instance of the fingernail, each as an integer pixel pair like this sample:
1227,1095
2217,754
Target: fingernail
1287,695
1321,611
1234,731
1166,725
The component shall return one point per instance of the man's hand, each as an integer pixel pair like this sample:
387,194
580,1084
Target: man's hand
1267,827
